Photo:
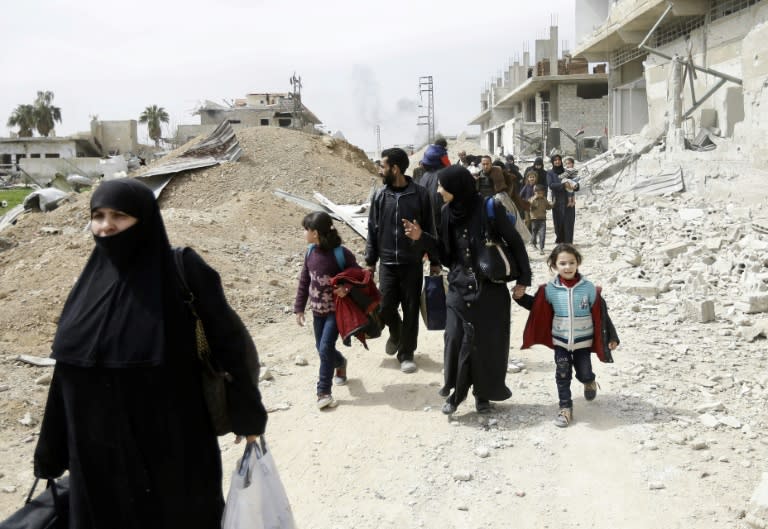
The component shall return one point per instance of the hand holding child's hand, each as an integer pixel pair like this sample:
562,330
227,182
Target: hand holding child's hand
612,345
519,291
300,318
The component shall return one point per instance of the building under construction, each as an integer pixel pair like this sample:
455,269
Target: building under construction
697,64
551,102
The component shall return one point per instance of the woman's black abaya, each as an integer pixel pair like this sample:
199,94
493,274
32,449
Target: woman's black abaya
477,327
125,412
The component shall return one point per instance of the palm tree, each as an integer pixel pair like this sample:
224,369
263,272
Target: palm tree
46,114
24,117
153,116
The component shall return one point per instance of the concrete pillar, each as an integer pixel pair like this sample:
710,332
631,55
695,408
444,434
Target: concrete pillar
553,45
675,138
537,115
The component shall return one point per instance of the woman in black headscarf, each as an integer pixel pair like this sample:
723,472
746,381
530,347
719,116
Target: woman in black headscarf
477,326
126,413
563,211
541,173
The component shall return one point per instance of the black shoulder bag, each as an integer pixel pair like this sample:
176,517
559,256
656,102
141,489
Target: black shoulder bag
494,260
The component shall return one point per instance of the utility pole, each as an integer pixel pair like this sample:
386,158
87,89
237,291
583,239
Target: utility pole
378,142
298,111
426,87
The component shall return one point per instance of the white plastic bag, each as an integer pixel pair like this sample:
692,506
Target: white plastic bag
257,498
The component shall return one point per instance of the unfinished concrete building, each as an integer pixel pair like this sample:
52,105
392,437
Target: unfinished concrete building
260,109
554,102
720,45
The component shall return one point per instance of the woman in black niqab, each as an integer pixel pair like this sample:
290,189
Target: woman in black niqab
126,414
477,324
114,315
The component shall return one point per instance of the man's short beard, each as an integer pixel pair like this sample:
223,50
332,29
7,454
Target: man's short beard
389,177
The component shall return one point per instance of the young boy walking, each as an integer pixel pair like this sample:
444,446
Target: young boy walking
538,212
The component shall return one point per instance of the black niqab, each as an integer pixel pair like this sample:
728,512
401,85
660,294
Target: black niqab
114,315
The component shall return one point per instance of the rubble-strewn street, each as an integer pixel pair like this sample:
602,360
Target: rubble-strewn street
676,438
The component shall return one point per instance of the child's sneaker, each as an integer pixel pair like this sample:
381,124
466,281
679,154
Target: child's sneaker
590,390
340,376
326,400
564,417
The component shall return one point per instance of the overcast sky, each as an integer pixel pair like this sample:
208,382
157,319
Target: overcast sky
359,61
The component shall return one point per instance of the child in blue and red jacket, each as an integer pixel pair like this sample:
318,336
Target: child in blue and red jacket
570,315
322,263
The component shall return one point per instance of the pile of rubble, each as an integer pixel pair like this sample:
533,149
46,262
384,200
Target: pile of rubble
683,257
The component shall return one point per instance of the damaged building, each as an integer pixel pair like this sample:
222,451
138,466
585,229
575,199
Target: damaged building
261,109
93,154
697,64
552,102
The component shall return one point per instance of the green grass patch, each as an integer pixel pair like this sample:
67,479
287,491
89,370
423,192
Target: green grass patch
14,196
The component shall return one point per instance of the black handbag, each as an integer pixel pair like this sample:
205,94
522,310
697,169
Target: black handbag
49,510
216,382
494,260
433,304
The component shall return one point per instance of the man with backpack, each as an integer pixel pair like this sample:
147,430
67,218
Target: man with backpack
400,270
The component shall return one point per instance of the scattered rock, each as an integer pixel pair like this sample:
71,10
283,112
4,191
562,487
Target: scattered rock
300,361
44,380
462,475
656,485
482,451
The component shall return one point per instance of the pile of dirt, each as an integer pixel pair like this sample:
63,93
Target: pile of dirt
228,213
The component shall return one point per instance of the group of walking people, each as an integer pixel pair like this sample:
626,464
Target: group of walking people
444,219
127,412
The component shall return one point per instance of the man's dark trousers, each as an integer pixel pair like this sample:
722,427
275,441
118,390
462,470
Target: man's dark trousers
401,285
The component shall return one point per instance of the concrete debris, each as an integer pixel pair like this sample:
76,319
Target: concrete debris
757,518
219,146
36,360
46,199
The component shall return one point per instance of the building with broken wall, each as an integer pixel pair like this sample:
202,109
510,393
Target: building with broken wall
722,94
261,109
553,102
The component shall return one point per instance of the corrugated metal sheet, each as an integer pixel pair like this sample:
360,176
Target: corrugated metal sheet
221,145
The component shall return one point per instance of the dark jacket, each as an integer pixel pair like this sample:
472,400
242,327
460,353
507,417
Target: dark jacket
429,182
386,237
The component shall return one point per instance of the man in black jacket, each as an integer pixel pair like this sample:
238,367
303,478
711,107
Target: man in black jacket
400,272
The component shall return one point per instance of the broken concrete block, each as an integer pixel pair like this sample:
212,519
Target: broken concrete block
700,311
722,266
757,518
753,303
642,288
691,213
674,249
750,334
713,243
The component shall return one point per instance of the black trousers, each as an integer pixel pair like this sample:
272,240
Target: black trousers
400,285
564,219
566,362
